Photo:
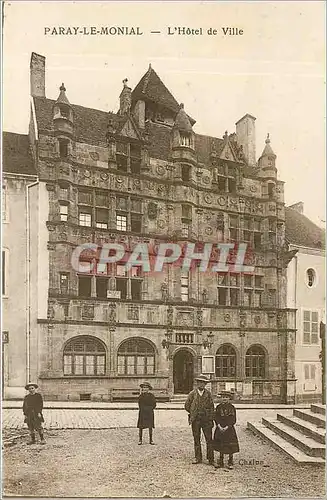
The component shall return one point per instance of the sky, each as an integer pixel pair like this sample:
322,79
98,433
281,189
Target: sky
275,71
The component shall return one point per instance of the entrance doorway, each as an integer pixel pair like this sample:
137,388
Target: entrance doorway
183,369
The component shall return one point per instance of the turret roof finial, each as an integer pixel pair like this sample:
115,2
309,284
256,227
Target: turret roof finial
62,87
268,139
125,82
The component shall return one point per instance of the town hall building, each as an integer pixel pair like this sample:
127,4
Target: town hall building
143,174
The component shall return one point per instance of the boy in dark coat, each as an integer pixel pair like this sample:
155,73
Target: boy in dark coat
147,403
200,407
225,439
32,409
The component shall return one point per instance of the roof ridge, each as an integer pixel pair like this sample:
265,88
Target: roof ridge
305,217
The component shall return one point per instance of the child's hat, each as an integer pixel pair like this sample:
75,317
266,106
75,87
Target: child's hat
225,394
146,384
31,384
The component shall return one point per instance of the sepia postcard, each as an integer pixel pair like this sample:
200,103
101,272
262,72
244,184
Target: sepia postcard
163,249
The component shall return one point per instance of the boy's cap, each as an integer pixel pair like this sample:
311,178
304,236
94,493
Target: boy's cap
31,384
225,394
146,384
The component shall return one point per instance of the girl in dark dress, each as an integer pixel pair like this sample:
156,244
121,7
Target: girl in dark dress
225,439
147,403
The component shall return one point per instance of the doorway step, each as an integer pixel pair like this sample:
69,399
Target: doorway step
178,398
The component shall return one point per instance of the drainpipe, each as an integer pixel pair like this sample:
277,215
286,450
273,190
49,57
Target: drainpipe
28,295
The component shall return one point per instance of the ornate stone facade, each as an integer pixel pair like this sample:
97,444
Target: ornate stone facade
144,175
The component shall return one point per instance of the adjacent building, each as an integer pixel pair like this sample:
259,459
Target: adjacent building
306,293
143,175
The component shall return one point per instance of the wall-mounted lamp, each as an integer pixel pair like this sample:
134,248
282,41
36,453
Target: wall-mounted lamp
167,341
207,343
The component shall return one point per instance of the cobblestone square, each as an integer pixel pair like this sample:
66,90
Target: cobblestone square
109,463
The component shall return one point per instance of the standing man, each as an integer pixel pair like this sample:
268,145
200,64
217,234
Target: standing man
32,409
200,407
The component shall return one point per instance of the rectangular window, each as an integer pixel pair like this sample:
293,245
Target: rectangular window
63,148
121,222
85,197
310,327
135,158
248,294
136,289
234,297
186,173
101,287
121,163
79,364
121,286
185,229
121,270
68,364
85,217
257,240
101,218
136,271
136,223
101,199
89,365
185,288
121,365
222,296
136,205
63,212
84,286
186,212
63,193
64,283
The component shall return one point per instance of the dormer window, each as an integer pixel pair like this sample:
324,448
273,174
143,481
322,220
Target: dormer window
64,111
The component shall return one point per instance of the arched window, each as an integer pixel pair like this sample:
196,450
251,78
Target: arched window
226,361
136,357
255,361
84,356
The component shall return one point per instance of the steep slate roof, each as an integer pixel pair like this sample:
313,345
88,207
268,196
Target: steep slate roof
152,88
90,125
17,158
299,230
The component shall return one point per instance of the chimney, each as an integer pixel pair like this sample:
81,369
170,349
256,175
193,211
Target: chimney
245,133
139,113
125,99
299,207
37,75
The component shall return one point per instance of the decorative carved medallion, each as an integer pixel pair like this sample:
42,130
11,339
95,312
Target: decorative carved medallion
208,230
160,170
257,319
104,176
208,199
206,179
94,155
222,201
87,173
161,224
227,318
